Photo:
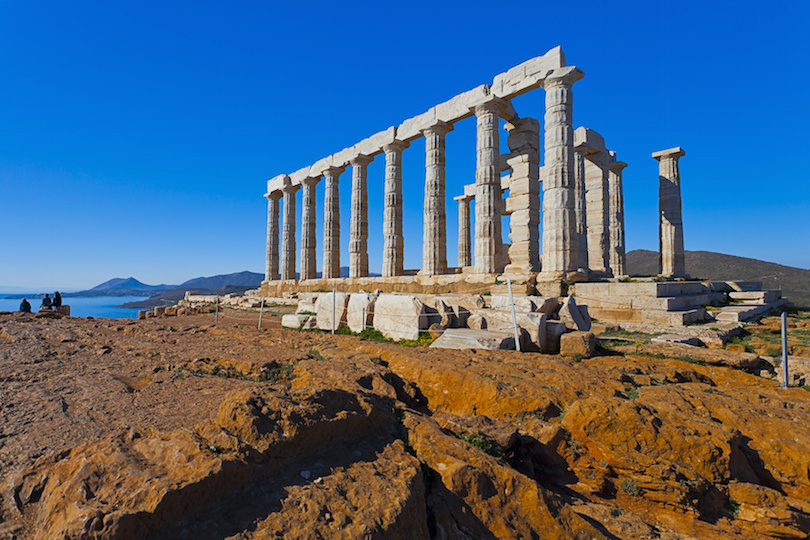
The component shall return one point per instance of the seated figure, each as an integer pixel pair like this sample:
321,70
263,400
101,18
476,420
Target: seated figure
46,302
25,307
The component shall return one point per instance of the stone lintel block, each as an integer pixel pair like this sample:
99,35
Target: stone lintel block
371,146
438,126
318,168
343,158
459,107
276,183
412,128
294,320
470,190
528,75
298,177
464,198
589,141
669,153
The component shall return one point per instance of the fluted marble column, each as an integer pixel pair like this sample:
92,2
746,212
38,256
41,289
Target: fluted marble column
271,263
393,264
464,243
580,209
434,241
358,240
524,195
488,240
559,221
670,227
288,233
308,235
617,245
331,223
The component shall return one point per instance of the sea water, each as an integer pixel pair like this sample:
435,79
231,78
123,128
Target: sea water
99,306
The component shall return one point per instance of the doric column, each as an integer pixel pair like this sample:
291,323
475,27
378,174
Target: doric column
331,223
524,195
271,264
670,227
464,244
580,211
288,233
597,196
358,240
434,241
392,213
308,236
617,246
559,222
488,241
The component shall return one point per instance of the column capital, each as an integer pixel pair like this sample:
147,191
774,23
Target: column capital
499,106
290,188
311,180
669,153
360,160
616,167
441,128
395,146
275,195
333,171
464,198
564,76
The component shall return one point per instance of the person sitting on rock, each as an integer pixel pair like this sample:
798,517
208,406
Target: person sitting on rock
25,307
57,299
46,302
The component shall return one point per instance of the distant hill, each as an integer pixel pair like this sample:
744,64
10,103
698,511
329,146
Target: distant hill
794,282
122,287
245,279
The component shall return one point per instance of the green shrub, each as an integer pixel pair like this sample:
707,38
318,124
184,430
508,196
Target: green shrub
630,487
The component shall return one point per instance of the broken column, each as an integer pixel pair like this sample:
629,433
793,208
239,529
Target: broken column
559,226
524,195
434,246
670,227
358,242
464,243
616,210
392,213
288,233
308,235
488,241
331,223
271,264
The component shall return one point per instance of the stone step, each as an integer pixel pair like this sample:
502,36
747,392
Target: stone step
647,316
756,297
747,312
643,289
673,303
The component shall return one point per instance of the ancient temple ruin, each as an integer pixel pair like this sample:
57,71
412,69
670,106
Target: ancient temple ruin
582,203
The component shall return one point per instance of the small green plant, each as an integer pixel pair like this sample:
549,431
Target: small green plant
630,487
423,339
316,355
691,360
372,334
632,394
178,374
399,414
773,351
733,507
805,387
214,449
480,443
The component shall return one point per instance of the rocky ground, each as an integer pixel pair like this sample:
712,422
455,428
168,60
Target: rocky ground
183,428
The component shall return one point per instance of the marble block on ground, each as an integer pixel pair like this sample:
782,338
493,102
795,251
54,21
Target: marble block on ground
468,338
400,316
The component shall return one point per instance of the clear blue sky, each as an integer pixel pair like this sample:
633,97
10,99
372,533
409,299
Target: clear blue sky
136,138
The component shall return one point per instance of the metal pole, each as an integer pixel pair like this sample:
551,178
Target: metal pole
785,379
333,311
261,310
216,313
514,317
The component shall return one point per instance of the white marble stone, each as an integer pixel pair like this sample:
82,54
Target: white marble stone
393,254
360,311
308,229
468,338
358,230
331,224
323,310
488,242
616,248
271,262
399,316
434,227
288,233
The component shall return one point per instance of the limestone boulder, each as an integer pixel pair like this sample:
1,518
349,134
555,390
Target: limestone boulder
400,316
532,326
323,310
536,304
294,320
306,303
360,311
572,316
582,344
467,338
554,329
